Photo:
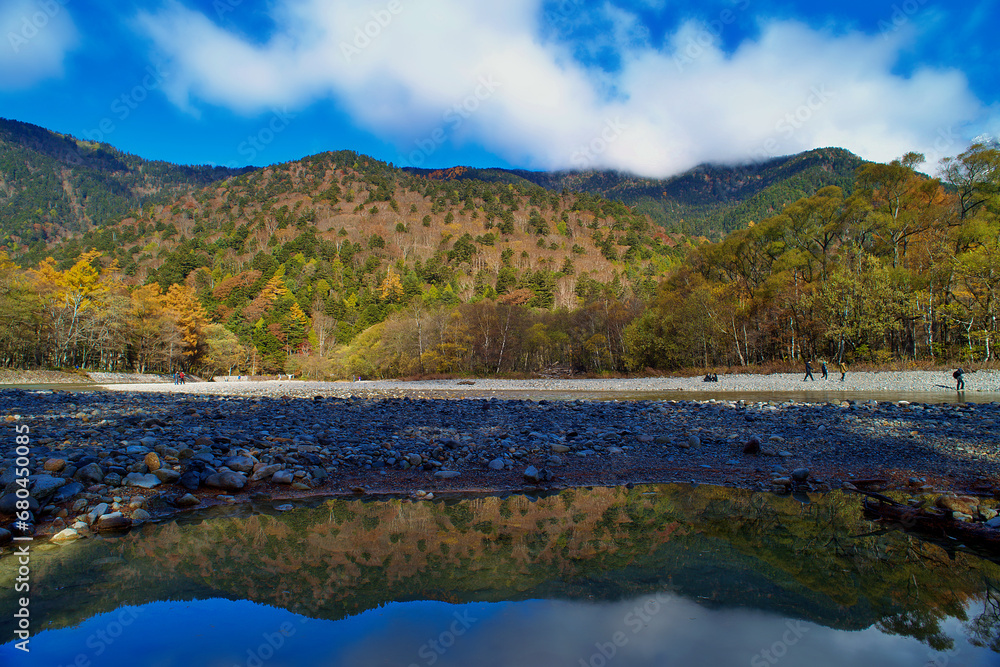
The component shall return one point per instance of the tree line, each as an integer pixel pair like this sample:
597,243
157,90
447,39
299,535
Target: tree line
903,267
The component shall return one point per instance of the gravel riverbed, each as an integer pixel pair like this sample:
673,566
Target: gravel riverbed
105,460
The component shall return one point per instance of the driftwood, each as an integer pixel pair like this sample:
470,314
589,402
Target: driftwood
934,525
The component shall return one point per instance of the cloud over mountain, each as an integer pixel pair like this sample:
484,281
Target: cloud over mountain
502,77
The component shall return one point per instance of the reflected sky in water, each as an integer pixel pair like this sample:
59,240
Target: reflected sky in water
648,631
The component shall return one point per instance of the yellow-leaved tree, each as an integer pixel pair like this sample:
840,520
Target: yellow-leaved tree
187,342
68,297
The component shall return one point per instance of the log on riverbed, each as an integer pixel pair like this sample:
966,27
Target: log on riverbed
937,526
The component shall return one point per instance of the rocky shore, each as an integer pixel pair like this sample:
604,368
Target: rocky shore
107,460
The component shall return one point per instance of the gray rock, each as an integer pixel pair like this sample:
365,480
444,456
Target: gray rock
239,463
99,510
66,492
43,486
90,474
283,477
994,522
694,442
414,459
496,464
800,475
167,476
227,481
113,479
560,449
533,474
141,516
447,474
265,472
147,481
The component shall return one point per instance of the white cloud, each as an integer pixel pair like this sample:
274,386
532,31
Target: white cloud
35,37
415,72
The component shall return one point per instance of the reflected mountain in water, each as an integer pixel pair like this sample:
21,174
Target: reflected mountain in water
719,547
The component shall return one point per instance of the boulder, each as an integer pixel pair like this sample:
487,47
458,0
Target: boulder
190,480
227,481
265,472
239,463
534,475
54,465
67,535
66,492
167,476
188,500
115,521
147,481
98,511
283,477
43,486
954,503
90,474
8,503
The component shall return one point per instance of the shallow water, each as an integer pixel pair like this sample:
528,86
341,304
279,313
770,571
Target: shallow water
655,575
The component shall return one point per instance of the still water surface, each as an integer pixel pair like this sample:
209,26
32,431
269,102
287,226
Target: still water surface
654,575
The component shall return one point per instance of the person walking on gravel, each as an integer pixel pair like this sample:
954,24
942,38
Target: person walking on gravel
809,372
822,368
843,370
959,376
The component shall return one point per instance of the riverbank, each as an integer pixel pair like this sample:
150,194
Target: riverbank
930,384
104,460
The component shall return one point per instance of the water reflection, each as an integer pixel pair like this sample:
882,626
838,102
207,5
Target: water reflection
652,576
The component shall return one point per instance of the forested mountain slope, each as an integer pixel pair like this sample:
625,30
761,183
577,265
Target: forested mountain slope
53,185
710,200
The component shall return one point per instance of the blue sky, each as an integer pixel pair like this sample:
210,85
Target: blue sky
648,86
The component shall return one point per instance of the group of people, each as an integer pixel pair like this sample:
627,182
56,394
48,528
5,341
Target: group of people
711,377
823,369
179,377
959,374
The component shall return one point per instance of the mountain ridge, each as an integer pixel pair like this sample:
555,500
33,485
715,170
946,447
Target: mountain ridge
718,197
